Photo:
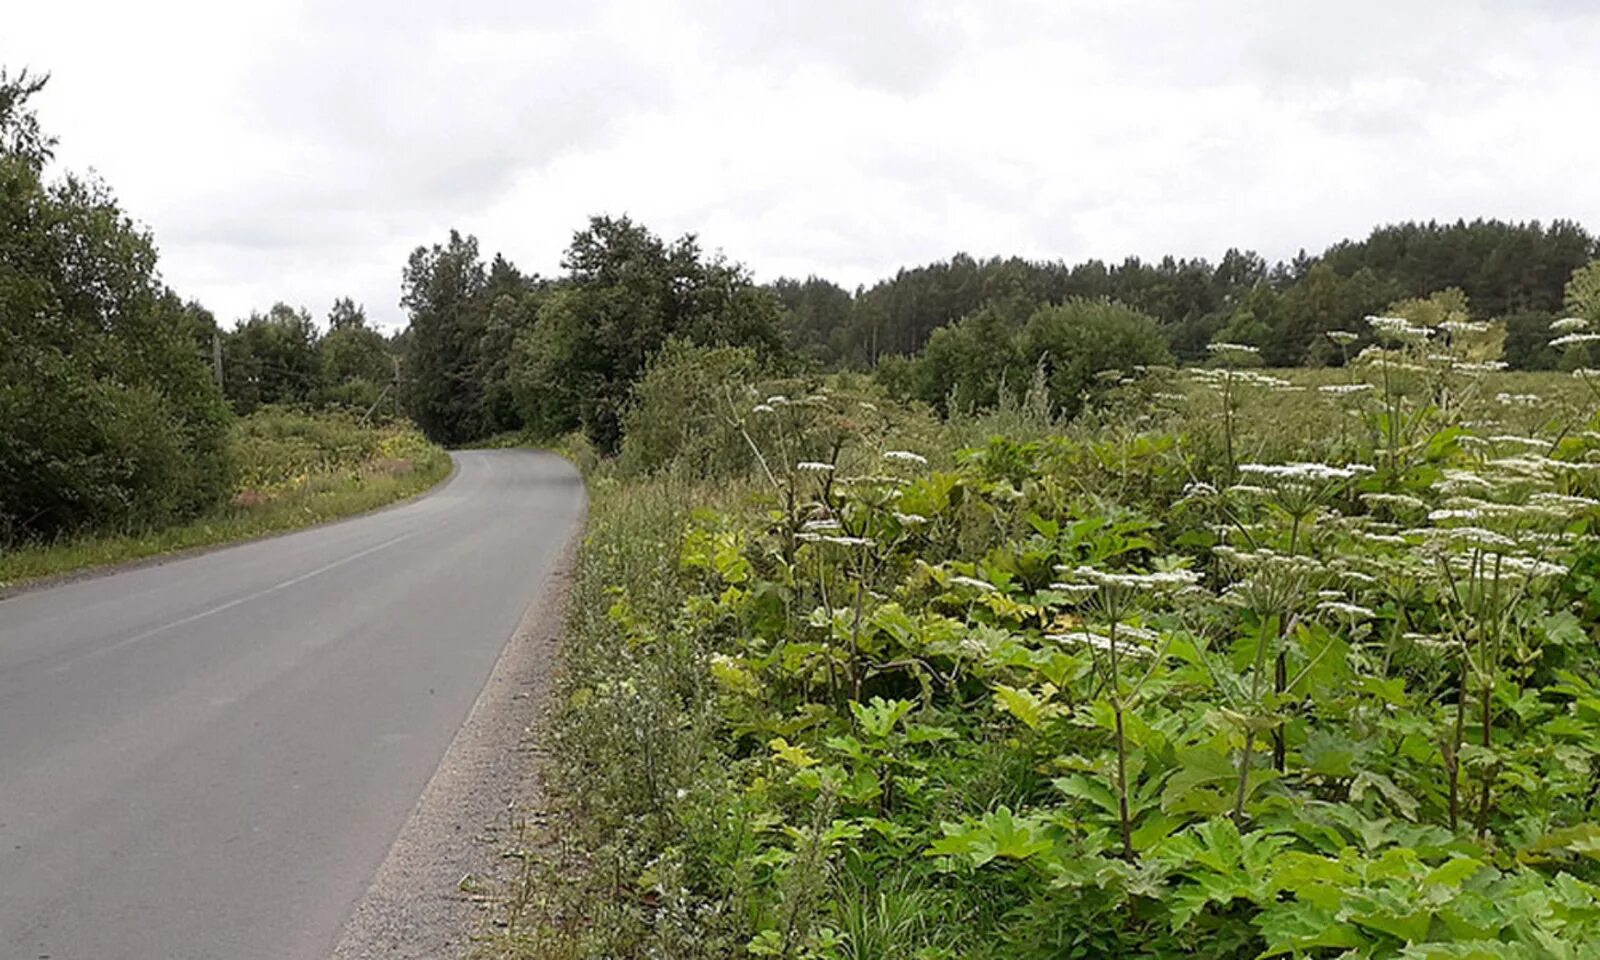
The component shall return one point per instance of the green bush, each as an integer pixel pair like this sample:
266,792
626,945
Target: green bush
107,410
1083,348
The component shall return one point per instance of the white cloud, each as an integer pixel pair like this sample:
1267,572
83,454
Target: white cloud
297,151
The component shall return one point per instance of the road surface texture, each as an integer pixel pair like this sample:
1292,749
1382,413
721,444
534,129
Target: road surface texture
210,758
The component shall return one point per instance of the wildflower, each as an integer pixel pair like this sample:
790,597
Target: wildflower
1464,326
1386,539
1519,399
1564,501
1399,328
1402,500
1075,591
815,525
762,408
1249,490
1225,348
814,466
848,541
1569,325
1343,337
777,401
1570,339
1516,440
909,519
1161,580
1304,471
1476,537
1100,642
1458,480
1349,611
906,456
983,586
1344,389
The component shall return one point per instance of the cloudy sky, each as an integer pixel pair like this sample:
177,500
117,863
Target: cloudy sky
298,150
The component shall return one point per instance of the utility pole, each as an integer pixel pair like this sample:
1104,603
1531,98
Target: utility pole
216,357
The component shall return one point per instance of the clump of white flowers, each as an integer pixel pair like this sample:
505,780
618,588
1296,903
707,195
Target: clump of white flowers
1573,339
1399,330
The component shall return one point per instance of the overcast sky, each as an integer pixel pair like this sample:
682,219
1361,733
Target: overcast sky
298,151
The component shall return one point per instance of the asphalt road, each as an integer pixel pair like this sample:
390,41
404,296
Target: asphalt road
210,758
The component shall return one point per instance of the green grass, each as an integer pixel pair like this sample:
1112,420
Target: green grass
321,482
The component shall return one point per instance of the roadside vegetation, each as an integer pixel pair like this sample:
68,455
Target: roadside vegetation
292,470
131,425
1236,662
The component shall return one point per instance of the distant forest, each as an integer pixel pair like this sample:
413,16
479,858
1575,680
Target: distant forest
491,349
1513,272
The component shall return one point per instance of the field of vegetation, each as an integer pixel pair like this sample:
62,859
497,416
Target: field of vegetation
1238,662
291,470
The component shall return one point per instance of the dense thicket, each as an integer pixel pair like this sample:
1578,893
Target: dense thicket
108,410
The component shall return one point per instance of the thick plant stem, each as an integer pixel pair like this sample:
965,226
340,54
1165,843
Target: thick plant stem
1453,751
1280,682
1122,784
1244,778
1489,770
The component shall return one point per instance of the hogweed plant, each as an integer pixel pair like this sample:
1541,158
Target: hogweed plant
1112,692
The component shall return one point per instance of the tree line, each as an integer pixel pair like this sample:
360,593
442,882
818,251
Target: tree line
1513,272
490,349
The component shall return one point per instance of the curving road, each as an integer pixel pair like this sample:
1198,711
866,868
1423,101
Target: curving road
210,758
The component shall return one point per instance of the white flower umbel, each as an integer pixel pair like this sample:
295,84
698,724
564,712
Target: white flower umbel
1573,339
1345,611
1311,472
1398,329
814,466
1464,327
1164,580
1075,591
973,582
1095,641
1345,389
1399,501
1343,337
905,456
1569,325
818,526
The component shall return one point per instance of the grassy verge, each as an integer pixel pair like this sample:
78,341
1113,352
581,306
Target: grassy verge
294,471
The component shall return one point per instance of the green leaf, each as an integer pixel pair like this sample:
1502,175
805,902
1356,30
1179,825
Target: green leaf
795,756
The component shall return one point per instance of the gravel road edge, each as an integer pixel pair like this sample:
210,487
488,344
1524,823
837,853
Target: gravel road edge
421,903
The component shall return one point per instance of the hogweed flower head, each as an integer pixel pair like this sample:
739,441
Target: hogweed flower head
1573,339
